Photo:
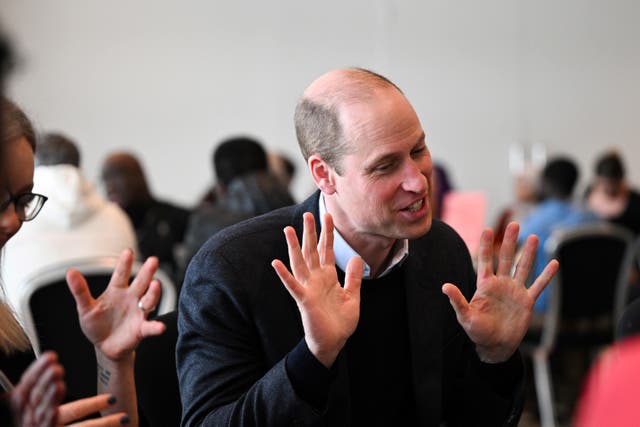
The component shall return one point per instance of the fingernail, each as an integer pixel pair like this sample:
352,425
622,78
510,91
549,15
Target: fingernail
111,400
124,420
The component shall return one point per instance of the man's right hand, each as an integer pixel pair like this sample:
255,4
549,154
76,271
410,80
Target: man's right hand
329,312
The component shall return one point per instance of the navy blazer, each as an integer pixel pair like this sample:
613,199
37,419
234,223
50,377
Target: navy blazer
237,324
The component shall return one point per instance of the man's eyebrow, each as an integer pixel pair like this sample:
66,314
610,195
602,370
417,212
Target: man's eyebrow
382,159
392,156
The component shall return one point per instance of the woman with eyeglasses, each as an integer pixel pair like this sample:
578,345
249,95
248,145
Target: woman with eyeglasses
115,322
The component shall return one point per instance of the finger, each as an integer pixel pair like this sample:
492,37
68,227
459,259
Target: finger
80,408
47,403
50,416
298,265
325,246
40,390
485,254
287,279
353,276
52,375
508,250
526,259
113,420
152,328
36,369
122,272
458,301
144,276
150,299
79,288
310,241
543,279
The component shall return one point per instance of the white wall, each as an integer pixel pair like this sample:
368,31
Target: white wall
170,79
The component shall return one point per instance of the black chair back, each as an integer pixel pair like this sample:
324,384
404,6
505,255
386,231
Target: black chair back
56,321
51,318
595,261
629,324
586,297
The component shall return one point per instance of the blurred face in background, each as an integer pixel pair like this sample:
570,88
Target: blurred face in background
16,177
123,180
116,186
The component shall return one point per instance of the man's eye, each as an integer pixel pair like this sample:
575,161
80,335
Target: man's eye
418,151
384,167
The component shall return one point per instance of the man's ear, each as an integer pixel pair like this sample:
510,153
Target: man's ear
322,174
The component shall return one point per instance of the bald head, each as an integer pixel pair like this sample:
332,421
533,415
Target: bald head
318,116
344,86
124,179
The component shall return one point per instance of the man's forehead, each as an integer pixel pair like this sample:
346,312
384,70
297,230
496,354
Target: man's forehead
388,112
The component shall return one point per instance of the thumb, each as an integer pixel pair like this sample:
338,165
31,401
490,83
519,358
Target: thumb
457,300
152,328
80,290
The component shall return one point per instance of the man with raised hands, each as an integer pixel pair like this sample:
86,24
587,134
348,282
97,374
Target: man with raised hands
387,348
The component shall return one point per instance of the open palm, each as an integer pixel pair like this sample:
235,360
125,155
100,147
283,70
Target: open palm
114,322
329,312
498,315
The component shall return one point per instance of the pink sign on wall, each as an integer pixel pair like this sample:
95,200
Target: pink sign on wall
465,212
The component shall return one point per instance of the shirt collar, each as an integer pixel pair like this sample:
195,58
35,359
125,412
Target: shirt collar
343,252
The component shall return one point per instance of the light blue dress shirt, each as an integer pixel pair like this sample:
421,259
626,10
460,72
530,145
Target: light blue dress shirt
343,252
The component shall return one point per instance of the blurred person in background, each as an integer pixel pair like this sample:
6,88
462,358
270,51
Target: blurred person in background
282,167
441,186
610,393
159,225
245,188
526,187
556,210
115,322
77,223
610,196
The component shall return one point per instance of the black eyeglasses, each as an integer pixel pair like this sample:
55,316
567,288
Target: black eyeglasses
27,205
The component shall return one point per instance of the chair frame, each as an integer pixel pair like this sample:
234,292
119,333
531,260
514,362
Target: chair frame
542,351
87,266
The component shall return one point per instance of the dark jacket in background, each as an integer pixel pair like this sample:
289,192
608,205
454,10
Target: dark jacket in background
160,227
248,196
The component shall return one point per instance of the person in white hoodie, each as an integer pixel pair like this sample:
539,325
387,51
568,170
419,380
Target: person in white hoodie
76,222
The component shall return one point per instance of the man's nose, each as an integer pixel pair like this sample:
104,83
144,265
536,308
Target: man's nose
414,179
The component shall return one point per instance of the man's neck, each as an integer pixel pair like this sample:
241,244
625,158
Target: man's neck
376,252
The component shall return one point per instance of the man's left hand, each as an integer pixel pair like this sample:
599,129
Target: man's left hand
497,317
